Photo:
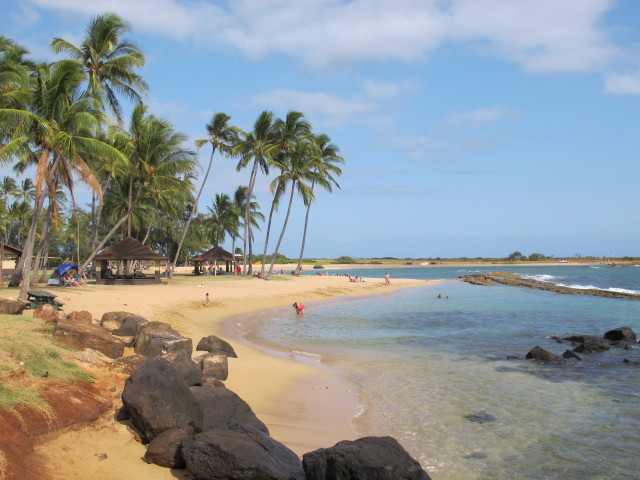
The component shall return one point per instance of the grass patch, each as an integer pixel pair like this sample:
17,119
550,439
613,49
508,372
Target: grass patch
26,343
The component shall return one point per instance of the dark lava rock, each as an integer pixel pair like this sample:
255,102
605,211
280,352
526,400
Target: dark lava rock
221,406
158,399
166,449
513,357
542,355
592,345
368,458
570,354
622,333
186,368
213,344
480,418
239,453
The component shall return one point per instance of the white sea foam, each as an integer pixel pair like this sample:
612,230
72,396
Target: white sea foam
542,278
624,290
313,356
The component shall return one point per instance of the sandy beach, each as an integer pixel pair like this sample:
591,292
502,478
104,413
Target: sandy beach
304,404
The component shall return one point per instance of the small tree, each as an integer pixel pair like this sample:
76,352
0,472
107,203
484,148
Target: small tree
512,256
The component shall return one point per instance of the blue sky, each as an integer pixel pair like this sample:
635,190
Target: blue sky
469,127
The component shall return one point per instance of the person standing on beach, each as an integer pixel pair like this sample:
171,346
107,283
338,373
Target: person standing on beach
206,300
387,281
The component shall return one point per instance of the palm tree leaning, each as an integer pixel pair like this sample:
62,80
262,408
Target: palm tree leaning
222,138
58,123
298,171
257,146
325,165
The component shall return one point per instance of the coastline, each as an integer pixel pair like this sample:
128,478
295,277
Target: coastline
305,404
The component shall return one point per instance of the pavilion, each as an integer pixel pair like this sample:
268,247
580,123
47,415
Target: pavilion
213,256
6,249
126,250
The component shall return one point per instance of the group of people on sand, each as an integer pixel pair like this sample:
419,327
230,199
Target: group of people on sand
68,280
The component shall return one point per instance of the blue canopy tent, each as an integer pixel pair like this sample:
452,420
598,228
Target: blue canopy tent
60,271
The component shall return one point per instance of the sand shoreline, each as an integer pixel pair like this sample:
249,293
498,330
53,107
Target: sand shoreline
305,404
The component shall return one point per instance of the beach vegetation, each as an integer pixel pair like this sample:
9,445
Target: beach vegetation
345,259
28,353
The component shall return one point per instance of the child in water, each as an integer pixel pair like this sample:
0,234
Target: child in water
299,308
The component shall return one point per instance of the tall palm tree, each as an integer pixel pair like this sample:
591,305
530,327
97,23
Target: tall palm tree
107,60
14,74
222,137
257,146
8,189
298,172
325,166
58,125
288,132
158,160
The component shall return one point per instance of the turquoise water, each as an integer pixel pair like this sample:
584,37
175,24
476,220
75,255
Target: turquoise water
424,364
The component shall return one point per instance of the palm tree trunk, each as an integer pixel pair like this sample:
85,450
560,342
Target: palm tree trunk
193,211
266,240
27,254
284,227
247,216
44,238
304,235
98,220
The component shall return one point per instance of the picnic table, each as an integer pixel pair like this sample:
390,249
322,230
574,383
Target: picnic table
37,298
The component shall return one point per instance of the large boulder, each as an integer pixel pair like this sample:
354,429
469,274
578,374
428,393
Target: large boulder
157,399
165,450
213,344
542,355
161,344
621,333
221,406
81,335
82,316
240,453
47,313
592,345
12,307
214,365
151,330
368,458
129,364
114,321
186,368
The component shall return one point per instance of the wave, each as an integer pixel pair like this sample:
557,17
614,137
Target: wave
301,353
543,278
593,287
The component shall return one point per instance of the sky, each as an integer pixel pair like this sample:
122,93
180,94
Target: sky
469,128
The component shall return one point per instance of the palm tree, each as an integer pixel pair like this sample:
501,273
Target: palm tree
14,74
107,60
158,161
257,146
8,188
288,132
298,171
58,124
325,165
222,137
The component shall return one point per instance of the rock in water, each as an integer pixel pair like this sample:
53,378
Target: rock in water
542,355
622,333
368,458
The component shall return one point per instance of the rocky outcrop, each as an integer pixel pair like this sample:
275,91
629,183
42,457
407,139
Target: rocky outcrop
157,399
122,323
214,366
12,307
213,344
129,364
241,453
188,370
542,355
83,316
166,449
158,338
519,281
81,335
369,458
221,406
621,334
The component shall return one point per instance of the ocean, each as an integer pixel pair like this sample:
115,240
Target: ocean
433,372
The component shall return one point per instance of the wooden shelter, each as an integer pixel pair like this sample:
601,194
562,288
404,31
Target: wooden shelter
7,250
127,250
213,257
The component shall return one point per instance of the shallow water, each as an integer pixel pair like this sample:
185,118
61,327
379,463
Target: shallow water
425,364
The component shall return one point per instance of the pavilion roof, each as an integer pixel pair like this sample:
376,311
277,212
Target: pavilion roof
129,249
216,253
8,249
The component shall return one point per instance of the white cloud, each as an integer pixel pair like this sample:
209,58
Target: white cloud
334,109
540,35
622,84
481,116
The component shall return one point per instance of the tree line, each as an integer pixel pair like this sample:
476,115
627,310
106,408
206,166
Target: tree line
64,120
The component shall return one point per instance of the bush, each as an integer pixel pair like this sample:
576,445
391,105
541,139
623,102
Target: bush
344,259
